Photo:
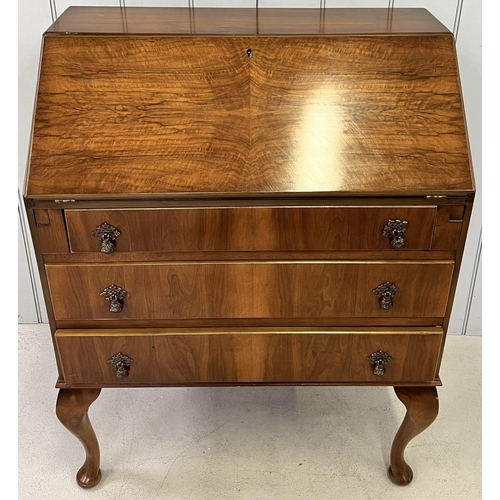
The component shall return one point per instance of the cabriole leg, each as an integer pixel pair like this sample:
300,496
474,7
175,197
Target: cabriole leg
71,409
422,408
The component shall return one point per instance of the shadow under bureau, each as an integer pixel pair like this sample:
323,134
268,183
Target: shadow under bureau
242,197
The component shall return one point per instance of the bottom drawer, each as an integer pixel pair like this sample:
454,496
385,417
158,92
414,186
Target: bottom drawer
244,355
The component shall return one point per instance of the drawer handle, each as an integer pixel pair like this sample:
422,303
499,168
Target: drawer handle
385,292
379,359
394,230
121,362
115,294
107,234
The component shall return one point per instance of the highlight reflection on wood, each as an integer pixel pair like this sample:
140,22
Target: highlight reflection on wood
340,114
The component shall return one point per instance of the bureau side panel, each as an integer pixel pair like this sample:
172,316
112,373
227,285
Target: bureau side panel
37,239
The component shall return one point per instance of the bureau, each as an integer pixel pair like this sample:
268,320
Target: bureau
248,197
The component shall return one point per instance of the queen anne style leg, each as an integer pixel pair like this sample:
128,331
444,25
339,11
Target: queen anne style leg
71,409
422,408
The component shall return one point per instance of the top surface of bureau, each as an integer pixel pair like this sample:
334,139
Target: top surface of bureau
245,105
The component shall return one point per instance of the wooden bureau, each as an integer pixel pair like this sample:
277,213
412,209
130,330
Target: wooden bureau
248,197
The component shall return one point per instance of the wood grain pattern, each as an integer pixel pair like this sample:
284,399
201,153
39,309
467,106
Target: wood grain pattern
224,174
190,290
422,407
183,21
251,228
305,115
72,411
51,230
98,257
30,214
448,227
242,322
228,200
212,357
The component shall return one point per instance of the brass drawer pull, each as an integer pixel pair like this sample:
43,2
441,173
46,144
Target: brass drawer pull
379,359
122,364
115,295
394,230
107,234
385,292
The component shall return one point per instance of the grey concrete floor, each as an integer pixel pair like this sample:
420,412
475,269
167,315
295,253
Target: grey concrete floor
280,443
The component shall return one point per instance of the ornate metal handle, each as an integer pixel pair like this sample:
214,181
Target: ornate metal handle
385,292
107,234
394,230
122,364
115,295
378,359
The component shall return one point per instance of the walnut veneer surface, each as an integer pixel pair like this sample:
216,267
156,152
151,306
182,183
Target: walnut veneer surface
231,197
319,114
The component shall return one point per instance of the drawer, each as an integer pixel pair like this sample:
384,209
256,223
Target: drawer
210,356
260,228
242,289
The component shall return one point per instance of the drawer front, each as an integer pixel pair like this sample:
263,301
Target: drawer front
240,289
251,228
239,356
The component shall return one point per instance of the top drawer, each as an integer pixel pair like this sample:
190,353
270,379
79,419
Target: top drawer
260,228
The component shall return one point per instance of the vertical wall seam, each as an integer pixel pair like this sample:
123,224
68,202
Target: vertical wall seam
53,10
458,17
31,269
472,286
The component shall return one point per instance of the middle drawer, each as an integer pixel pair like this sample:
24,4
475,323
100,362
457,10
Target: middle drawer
242,289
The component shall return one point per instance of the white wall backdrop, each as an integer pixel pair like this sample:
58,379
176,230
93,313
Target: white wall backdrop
462,17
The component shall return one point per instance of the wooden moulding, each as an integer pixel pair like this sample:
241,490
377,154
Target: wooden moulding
180,21
367,255
95,202
242,322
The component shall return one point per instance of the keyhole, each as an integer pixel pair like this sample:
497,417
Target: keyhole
249,53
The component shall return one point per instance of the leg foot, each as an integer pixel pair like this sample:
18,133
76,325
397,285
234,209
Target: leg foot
422,408
71,410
